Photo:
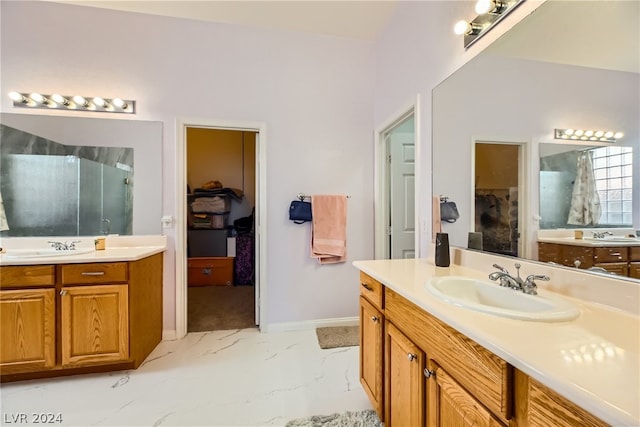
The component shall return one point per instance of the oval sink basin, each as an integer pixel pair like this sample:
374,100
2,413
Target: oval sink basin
489,297
614,239
47,252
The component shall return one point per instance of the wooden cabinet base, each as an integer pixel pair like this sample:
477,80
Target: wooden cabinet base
59,371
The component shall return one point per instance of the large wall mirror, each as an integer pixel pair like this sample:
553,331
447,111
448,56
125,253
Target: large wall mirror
569,64
76,176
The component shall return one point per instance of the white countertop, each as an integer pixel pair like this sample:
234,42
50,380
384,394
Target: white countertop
593,361
118,248
589,242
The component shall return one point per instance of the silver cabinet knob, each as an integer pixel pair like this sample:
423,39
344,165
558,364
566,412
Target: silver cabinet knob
374,318
428,373
63,292
411,357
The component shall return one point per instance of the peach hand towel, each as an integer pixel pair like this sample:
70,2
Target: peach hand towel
329,228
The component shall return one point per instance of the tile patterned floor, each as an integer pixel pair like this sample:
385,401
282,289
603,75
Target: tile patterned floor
221,378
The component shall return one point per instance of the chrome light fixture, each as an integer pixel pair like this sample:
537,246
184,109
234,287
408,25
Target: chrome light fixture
490,12
588,135
73,103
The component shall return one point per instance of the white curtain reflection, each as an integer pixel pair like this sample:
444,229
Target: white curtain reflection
585,202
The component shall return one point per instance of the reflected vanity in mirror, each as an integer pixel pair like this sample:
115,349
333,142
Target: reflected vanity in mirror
72,176
581,71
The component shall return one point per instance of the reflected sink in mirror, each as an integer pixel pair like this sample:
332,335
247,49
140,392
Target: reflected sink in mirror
613,239
47,252
489,297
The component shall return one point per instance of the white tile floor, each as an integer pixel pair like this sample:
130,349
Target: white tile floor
222,378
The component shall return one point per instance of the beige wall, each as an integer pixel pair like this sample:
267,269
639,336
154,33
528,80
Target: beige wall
227,156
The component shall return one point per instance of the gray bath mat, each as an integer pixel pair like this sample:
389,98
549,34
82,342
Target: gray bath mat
367,418
338,336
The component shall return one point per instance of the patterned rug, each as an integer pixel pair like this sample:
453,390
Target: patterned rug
367,418
338,336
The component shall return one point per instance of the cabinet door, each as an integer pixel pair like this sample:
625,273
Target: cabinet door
634,270
94,324
619,268
27,330
452,405
405,384
371,352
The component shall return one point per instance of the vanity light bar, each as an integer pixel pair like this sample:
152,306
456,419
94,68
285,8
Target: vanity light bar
75,103
490,12
588,135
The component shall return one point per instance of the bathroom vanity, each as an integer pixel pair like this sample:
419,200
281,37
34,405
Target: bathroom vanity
618,255
426,362
88,312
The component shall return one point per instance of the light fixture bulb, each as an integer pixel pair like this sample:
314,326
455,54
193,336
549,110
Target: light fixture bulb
99,102
588,133
599,134
618,135
119,103
484,6
59,99
569,132
579,132
38,98
80,101
18,97
461,27
608,134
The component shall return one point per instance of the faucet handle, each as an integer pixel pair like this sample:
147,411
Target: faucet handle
504,270
532,277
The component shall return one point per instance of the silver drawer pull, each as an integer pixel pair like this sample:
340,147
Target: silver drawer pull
428,373
63,292
374,318
411,357
614,253
92,273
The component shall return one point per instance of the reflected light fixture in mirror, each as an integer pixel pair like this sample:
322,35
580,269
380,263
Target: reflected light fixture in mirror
588,135
74,103
490,12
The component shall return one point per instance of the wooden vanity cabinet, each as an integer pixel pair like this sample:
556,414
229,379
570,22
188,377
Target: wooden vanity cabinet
634,262
27,318
371,341
94,321
621,260
91,317
404,380
437,377
453,405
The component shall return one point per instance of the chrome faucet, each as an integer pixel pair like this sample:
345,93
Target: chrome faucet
64,246
528,285
601,234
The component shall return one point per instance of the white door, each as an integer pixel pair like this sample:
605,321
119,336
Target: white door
402,200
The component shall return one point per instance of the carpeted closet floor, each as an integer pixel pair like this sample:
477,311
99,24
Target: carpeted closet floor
216,308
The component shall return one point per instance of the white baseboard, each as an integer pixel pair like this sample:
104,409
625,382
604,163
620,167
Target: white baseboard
309,324
170,335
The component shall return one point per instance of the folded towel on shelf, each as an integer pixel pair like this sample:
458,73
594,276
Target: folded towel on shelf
209,204
329,228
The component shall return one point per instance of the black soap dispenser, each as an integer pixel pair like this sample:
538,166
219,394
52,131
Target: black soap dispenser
442,250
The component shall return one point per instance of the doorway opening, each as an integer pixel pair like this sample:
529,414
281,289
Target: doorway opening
395,219
497,197
234,212
221,198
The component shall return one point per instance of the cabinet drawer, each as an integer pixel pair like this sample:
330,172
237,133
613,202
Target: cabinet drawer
101,272
372,290
486,376
634,253
634,270
610,255
210,271
27,276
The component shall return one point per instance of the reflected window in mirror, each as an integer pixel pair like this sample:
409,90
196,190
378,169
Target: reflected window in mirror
585,187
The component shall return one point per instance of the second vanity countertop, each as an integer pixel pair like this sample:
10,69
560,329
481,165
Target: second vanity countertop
589,242
593,360
118,249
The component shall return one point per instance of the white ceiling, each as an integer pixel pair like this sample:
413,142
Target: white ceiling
361,19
